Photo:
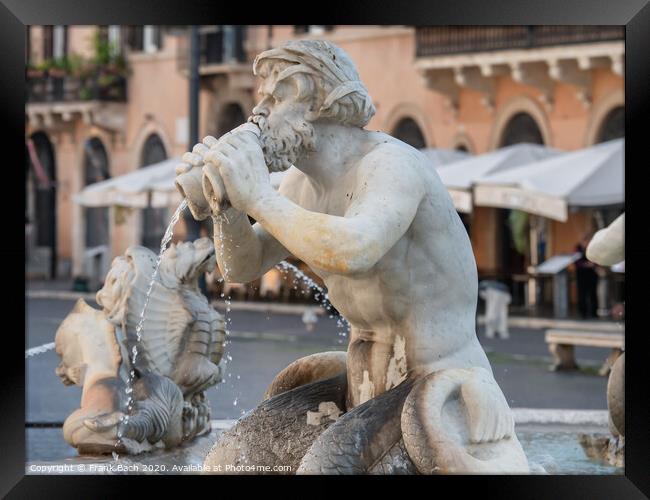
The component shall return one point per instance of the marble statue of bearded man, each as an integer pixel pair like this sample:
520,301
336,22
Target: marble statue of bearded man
369,215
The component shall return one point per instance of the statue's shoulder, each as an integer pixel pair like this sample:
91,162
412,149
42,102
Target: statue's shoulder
392,155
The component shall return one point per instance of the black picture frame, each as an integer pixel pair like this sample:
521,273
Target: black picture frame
634,14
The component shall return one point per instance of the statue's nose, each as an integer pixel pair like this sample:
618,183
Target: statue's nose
261,109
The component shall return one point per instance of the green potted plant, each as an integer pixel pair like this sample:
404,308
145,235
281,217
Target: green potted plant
59,67
33,71
85,93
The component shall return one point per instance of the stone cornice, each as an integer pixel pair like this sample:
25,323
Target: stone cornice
540,67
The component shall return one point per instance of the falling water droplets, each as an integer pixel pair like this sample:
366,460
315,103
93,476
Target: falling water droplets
226,297
343,326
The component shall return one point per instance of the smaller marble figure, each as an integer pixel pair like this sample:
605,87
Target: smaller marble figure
177,356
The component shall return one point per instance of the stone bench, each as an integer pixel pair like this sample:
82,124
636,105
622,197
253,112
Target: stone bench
561,344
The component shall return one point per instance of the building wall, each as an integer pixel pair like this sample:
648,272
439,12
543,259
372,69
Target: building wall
385,58
157,103
80,40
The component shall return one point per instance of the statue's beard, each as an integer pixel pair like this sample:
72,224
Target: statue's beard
284,145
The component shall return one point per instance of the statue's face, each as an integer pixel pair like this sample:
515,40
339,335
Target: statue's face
186,261
286,134
204,256
115,284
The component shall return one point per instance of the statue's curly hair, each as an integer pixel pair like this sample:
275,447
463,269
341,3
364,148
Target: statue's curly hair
322,69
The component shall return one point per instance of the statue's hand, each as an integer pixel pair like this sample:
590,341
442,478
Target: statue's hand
239,161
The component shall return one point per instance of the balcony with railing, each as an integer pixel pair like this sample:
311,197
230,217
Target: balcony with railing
453,57
445,40
97,97
46,88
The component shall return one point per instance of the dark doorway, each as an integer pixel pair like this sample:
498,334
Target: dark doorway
154,220
408,131
96,170
41,203
232,116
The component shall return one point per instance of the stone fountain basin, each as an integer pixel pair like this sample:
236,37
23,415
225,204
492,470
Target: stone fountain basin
550,438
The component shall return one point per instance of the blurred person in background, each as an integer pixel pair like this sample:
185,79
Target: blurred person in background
587,280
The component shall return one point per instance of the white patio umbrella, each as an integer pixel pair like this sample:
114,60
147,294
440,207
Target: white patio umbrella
134,189
590,177
462,175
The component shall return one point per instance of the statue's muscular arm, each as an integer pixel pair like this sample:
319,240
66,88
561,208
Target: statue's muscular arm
249,251
386,198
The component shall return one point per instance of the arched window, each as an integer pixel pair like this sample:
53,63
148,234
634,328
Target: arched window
41,204
154,220
96,170
521,128
407,131
613,126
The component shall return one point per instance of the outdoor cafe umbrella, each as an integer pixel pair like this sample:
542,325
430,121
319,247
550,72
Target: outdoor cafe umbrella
462,175
134,189
590,177
151,186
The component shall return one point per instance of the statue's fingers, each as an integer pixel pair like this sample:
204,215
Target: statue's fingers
215,156
209,141
200,149
192,159
183,168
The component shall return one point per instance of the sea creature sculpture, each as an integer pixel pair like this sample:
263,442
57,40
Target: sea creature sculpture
177,353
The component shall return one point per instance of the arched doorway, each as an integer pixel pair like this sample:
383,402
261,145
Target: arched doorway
613,126
230,117
96,170
408,131
40,208
514,225
154,220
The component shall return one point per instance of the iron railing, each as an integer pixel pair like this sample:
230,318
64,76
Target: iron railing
100,87
445,40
